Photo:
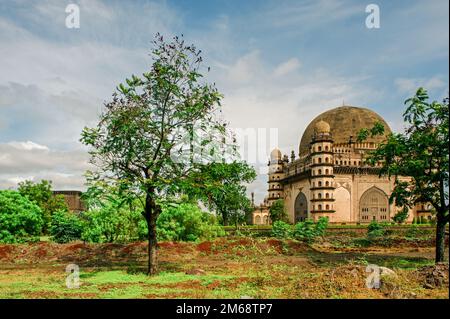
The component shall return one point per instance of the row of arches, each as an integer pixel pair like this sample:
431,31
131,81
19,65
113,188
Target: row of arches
373,205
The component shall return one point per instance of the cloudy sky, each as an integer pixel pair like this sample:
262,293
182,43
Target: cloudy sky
278,64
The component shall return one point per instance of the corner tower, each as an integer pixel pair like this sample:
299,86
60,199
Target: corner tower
275,176
322,177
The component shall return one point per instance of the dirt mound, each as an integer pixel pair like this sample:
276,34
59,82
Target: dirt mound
5,250
434,276
204,247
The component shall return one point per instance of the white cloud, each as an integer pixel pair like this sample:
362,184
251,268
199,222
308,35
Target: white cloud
287,67
29,160
410,85
28,146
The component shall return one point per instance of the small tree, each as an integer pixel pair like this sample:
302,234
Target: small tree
421,153
277,211
222,187
41,193
157,130
401,215
20,218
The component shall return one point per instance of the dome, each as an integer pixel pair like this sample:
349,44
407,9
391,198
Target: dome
322,127
343,122
275,154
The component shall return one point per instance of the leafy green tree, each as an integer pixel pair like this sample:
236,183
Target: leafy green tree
158,129
66,227
186,222
402,215
222,187
281,229
20,218
277,211
421,152
41,193
308,230
112,224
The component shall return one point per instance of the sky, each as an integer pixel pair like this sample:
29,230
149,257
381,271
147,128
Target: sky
278,64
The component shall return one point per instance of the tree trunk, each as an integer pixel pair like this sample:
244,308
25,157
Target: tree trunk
152,246
440,238
151,214
225,218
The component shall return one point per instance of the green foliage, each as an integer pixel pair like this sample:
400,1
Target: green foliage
277,211
65,227
186,222
401,215
113,223
422,153
20,219
281,229
221,187
375,230
308,230
42,195
414,231
158,129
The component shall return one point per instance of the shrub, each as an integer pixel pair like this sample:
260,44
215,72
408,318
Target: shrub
281,229
112,223
65,227
20,219
277,211
401,215
42,195
375,230
308,230
186,222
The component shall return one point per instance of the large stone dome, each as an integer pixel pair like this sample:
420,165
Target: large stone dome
344,121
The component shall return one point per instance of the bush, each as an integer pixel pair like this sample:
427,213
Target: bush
375,230
186,222
112,223
277,211
20,219
308,230
65,227
281,229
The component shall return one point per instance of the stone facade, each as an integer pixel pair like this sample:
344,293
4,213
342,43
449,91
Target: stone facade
330,176
73,200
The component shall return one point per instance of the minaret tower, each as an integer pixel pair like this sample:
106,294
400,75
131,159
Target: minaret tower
275,176
322,178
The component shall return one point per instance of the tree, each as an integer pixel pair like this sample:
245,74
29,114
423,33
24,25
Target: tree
158,129
221,187
277,211
422,153
41,193
20,218
401,216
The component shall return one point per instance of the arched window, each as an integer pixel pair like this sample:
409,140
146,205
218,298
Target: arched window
327,183
320,160
326,159
326,148
320,148
327,171
319,172
327,195
319,195
320,207
327,207
320,183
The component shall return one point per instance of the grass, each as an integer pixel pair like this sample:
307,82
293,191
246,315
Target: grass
229,268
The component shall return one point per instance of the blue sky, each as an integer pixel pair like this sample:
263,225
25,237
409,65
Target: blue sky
278,63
